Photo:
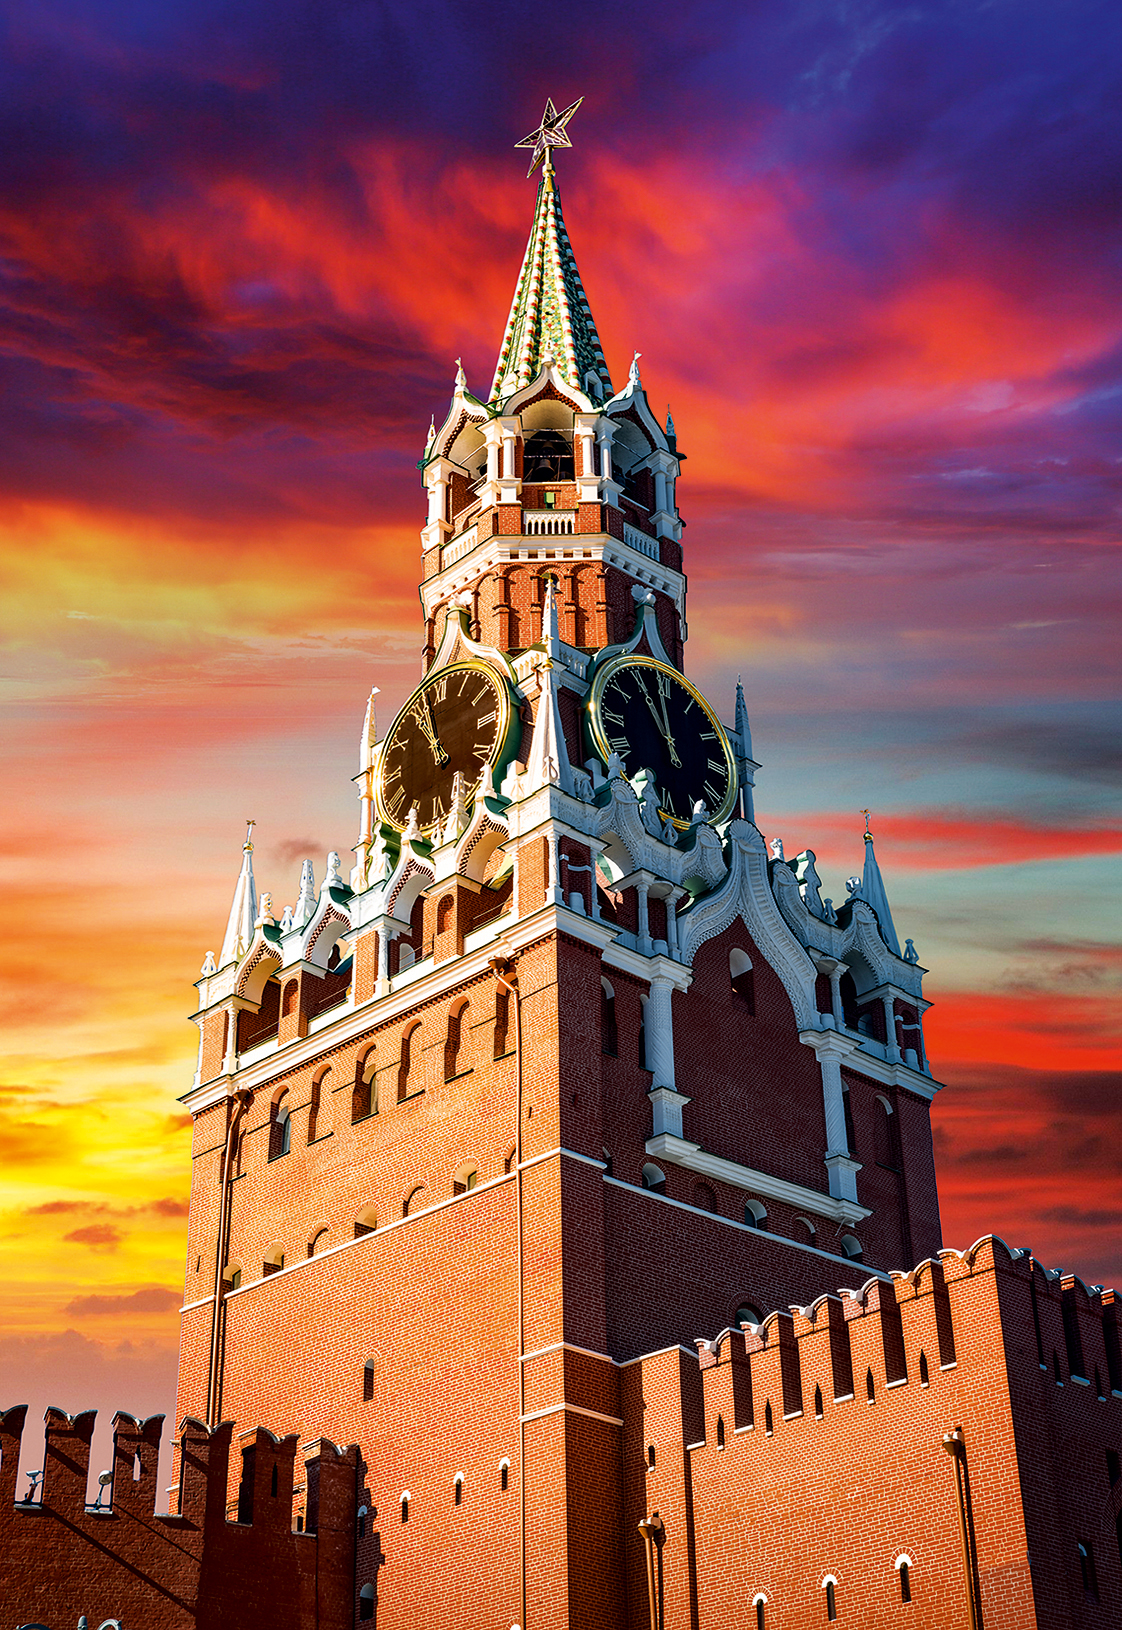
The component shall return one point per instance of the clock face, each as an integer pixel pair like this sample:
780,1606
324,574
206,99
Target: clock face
655,720
455,722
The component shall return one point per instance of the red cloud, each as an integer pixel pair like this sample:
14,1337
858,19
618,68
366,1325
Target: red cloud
98,1236
959,839
149,1299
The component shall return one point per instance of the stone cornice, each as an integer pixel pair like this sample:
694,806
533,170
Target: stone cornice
680,1152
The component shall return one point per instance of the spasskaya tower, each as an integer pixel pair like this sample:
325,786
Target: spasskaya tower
571,1064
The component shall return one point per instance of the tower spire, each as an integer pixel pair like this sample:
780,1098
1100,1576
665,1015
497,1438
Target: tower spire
243,908
550,315
873,892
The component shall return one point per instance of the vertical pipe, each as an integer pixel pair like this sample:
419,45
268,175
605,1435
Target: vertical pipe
500,969
214,1379
955,1445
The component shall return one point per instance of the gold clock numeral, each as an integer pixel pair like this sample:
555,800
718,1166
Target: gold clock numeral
488,718
715,764
711,792
708,735
440,690
663,684
613,718
620,745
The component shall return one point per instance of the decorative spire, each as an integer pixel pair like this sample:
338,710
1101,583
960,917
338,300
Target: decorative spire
549,758
306,900
873,892
745,763
550,314
369,733
551,633
243,908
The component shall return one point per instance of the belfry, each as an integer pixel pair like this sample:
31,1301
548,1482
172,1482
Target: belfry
533,1152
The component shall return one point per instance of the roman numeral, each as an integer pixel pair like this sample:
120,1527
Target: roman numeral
715,764
440,690
615,718
663,683
711,793
620,745
709,735
489,718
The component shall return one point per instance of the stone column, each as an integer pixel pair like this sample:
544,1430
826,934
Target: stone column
666,1110
660,489
672,923
659,1033
892,1050
645,944
832,1048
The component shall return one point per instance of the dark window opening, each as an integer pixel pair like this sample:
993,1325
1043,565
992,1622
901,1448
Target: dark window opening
405,1509
458,1492
245,1487
924,1376
769,1423
818,1403
761,1621
850,1135
274,1483
651,1456
280,1129
1113,1467
870,1387
1087,1569
504,1476
905,1582
720,1431
366,1602
1057,1373
609,1034
547,456
368,1381
831,1600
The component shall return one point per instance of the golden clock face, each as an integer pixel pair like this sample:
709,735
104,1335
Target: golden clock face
455,723
655,720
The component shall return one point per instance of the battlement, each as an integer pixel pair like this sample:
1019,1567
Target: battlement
115,1557
999,1306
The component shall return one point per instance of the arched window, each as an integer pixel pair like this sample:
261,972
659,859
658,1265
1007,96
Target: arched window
453,1041
362,1514
274,1260
364,1100
404,1085
870,1386
650,1457
885,1141
609,1034
852,1247
704,1198
830,1586
748,1313
504,1475
924,1377
1087,1569
366,1222
444,914
508,1159
368,1381
405,1499
904,1569
288,998
643,1065
720,1431
317,1242
1057,1373
769,1420
743,979
232,1275
280,1128
465,1178
818,1403
412,1200
458,1489
755,1215
809,1231
654,1178
320,1085
366,1602
759,1602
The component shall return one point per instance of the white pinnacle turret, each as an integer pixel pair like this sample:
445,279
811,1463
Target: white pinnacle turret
307,900
243,908
549,758
369,733
745,763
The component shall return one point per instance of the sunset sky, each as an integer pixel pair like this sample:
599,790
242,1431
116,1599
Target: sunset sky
872,256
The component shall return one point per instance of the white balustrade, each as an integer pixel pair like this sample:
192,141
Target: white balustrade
639,540
549,523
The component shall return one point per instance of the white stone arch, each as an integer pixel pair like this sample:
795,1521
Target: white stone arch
261,963
482,836
747,894
409,880
327,926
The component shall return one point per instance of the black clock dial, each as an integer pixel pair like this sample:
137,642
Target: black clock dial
454,723
655,720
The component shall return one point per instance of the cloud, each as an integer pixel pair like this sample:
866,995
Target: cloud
98,1236
149,1299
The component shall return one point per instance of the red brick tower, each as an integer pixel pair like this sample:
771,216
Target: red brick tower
571,1069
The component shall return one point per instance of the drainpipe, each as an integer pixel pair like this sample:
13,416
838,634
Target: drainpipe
214,1373
955,1445
508,980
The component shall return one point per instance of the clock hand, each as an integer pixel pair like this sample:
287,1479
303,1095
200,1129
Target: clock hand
427,725
663,723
